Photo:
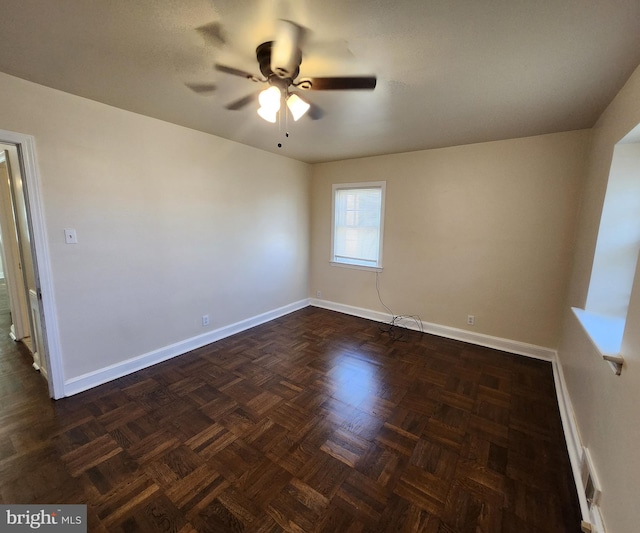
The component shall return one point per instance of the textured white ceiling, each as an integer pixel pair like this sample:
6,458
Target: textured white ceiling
450,72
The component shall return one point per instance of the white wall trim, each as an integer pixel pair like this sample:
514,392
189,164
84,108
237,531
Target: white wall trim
42,259
574,448
571,434
98,377
505,345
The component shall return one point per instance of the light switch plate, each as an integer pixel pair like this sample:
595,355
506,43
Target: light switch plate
70,236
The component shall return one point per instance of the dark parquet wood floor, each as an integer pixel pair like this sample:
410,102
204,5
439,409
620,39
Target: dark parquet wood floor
316,422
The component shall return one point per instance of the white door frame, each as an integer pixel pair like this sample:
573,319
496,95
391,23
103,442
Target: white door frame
42,259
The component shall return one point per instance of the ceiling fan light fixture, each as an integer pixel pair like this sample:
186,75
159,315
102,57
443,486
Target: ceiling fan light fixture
268,114
270,99
297,106
269,103
279,61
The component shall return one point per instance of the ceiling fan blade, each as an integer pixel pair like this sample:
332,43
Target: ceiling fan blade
315,112
235,72
202,88
286,55
212,33
239,104
343,83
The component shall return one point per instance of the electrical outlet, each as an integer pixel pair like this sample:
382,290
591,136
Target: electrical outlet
318,294
471,320
205,320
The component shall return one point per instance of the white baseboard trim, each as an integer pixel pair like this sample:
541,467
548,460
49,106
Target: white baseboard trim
569,426
480,339
575,448
98,377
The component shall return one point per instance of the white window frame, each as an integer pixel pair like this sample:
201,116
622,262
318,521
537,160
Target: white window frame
343,262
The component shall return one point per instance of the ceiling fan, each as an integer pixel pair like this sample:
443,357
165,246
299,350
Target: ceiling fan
279,62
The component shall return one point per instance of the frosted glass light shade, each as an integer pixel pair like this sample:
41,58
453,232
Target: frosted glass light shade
268,114
297,106
270,99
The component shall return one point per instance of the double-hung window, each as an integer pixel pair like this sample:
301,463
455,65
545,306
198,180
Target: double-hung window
358,223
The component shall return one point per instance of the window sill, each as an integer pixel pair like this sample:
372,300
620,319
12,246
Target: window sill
605,334
355,267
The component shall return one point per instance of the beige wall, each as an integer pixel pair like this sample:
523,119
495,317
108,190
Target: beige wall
606,406
172,224
484,229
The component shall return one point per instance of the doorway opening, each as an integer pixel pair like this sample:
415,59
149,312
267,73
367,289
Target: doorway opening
17,259
25,258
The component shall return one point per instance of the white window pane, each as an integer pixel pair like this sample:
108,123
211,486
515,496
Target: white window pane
357,225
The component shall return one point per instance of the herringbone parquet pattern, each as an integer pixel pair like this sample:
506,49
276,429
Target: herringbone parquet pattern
315,422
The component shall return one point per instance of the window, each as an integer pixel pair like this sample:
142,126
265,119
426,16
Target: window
615,261
616,254
358,221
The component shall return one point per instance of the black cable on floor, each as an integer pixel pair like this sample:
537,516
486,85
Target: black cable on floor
396,327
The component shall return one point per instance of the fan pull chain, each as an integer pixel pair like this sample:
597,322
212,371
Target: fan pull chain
286,124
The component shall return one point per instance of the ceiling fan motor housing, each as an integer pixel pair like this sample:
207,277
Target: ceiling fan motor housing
263,53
